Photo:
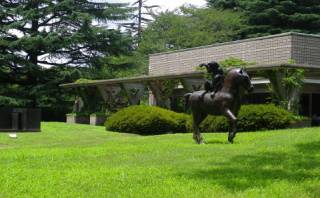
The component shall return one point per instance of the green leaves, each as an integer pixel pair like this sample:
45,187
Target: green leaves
196,27
234,62
270,17
252,118
38,37
285,85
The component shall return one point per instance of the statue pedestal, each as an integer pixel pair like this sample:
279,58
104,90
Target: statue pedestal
97,120
76,119
20,120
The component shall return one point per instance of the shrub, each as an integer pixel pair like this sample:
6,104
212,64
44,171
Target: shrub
214,124
252,118
98,114
147,120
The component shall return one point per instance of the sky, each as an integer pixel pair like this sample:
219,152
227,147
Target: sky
168,4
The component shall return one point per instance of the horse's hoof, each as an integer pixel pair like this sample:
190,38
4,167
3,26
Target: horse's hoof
230,140
200,142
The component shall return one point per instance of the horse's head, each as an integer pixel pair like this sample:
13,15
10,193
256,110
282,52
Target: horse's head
241,78
245,80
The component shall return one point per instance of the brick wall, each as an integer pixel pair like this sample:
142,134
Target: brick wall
306,49
263,50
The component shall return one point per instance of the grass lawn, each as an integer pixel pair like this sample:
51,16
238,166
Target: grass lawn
85,161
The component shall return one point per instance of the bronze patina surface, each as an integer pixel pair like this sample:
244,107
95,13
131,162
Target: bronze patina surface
226,101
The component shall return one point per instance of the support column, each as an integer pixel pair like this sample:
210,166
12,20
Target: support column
162,90
110,95
310,105
134,92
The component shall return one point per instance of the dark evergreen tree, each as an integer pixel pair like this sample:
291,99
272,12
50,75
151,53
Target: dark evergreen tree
143,16
224,4
39,34
275,16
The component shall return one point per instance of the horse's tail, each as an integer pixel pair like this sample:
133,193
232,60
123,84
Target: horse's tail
186,100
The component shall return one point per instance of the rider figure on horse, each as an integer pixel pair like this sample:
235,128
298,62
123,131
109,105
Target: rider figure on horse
217,77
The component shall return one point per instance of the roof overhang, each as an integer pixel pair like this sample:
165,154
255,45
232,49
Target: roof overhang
262,81
138,79
265,67
252,70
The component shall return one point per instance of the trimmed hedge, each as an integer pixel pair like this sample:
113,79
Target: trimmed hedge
150,120
252,118
147,120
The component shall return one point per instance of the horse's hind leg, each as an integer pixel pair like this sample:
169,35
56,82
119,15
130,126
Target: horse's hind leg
232,131
232,125
197,119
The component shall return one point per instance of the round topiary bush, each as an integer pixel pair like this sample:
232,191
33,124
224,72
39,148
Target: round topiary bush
252,118
147,120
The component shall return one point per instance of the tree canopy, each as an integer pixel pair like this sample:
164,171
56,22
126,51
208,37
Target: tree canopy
42,34
190,28
275,16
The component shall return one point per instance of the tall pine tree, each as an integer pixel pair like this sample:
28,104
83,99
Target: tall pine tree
275,16
143,15
37,34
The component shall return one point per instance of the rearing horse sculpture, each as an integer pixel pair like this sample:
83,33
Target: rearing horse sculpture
225,102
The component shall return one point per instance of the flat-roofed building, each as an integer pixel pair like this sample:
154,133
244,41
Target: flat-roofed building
267,53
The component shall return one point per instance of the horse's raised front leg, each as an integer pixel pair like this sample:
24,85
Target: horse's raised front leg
197,119
232,125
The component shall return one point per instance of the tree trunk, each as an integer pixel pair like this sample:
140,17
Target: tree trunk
33,58
140,5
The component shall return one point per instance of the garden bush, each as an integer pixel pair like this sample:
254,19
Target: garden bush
147,120
252,118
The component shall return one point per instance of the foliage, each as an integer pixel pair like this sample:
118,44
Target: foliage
286,85
83,80
40,40
147,120
86,161
102,114
214,124
223,4
252,118
60,30
125,65
234,62
226,64
143,15
92,99
190,28
45,94
167,89
271,17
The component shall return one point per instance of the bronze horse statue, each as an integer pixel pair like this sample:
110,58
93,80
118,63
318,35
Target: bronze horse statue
226,101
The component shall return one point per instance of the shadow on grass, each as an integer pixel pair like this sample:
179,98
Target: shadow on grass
257,170
216,142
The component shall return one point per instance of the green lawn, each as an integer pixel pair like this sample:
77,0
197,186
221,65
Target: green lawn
84,161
